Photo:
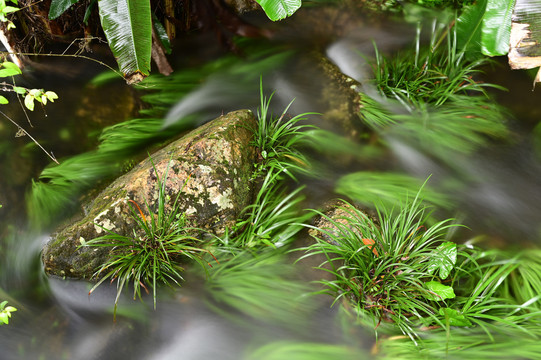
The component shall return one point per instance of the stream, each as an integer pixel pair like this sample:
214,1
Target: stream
498,192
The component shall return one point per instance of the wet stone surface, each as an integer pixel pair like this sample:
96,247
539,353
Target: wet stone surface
210,167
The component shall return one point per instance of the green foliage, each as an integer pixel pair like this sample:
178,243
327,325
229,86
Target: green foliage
443,259
9,69
462,125
454,317
389,189
279,9
382,266
279,350
429,75
128,28
394,269
5,10
484,27
272,220
524,284
127,24
58,7
152,255
469,343
437,291
277,139
260,286
40,96
5,312
436,86
496,28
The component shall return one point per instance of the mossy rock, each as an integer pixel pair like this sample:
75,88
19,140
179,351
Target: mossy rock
209,170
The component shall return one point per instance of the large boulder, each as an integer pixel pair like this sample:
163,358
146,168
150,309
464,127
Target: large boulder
210,167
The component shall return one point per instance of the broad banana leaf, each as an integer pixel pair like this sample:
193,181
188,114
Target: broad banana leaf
469,28
279,9
485,27
128,27
497,27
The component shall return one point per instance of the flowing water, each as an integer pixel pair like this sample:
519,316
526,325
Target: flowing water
499,195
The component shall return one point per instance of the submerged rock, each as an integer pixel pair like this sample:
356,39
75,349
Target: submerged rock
210,167
339,219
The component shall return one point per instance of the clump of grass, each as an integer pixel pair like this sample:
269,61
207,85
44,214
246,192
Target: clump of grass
446,107
272,220
435,74
153,254
387,267
400,273
277,138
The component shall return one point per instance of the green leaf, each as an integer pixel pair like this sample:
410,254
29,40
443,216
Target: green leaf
438,291
11,66
279,9
496,30
162,35
128,27
4,318
3,100
29,102
51,95
469,28
455,317
34,92
88,11
10,9
9,71
19,90
58,7
443,258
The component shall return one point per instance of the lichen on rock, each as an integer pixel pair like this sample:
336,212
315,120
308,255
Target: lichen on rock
208,171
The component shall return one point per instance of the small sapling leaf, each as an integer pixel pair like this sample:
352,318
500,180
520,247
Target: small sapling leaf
3,100
51,96
443,258
454,317
8,72
10,9
29,102
4,318
438,291
11,66
19,90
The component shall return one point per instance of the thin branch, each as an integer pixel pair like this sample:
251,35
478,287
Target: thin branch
51,155
21,104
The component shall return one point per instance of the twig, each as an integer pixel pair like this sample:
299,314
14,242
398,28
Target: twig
51,155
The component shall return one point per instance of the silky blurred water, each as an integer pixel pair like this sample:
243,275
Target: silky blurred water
499,194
